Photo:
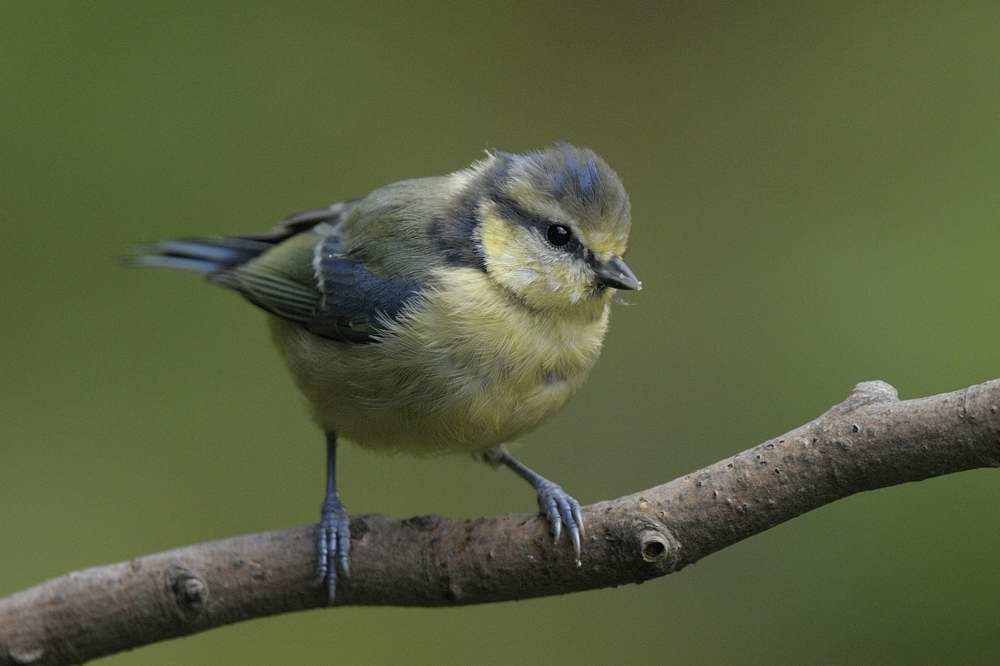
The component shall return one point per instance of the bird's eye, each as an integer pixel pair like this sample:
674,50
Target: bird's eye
558,234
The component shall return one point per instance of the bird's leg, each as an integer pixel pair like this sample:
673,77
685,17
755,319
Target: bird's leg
556,504
334,537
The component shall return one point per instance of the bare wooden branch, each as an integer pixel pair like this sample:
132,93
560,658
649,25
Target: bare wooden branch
871,440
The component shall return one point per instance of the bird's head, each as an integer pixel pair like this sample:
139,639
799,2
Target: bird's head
553,226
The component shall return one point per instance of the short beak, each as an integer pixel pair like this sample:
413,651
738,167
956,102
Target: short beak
616,273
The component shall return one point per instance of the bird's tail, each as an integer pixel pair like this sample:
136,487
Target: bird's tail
201,255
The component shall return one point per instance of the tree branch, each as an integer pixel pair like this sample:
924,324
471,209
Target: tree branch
871,440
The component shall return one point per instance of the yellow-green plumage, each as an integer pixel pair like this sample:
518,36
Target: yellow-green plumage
464,369
482,353
439,314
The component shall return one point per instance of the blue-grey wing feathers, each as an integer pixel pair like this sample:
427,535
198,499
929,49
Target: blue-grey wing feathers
355,303
296,271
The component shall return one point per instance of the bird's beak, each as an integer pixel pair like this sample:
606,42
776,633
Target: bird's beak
616,273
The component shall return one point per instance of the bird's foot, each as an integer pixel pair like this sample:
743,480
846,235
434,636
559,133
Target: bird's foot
561,510
333,544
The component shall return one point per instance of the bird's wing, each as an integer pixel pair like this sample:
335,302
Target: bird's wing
356,303
279,281
305,220
309,280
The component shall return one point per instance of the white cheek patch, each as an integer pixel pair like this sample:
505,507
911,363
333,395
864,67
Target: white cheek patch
522,278
526,264
554,272
514,269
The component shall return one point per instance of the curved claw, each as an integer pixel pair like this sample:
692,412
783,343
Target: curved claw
562,509
333,545
551,510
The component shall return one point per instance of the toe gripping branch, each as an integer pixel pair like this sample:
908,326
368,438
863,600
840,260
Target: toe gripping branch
333,542
560,509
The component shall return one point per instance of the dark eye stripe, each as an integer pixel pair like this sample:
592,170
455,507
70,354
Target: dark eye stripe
512,211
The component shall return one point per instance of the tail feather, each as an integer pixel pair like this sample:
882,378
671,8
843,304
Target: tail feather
215,256
201,255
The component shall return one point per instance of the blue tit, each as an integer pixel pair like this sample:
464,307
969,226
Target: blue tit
443,314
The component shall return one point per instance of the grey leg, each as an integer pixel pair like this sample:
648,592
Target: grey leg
555,503
334,538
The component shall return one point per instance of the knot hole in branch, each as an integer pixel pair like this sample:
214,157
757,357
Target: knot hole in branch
189,591
656,545
653,546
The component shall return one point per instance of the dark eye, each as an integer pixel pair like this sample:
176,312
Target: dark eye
558,234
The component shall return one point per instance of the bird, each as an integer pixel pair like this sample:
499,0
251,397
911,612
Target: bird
435,315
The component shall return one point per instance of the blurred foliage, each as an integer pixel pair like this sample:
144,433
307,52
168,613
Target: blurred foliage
815,203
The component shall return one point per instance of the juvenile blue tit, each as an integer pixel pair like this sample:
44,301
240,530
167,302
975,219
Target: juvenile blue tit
444,314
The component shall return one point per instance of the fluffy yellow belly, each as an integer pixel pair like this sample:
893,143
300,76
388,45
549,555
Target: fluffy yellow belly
463,370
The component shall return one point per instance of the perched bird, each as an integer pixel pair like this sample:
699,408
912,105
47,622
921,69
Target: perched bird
444,314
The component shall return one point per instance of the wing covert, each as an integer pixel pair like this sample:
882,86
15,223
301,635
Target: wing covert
354,302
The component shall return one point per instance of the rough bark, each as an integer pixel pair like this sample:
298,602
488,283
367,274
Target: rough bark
871,440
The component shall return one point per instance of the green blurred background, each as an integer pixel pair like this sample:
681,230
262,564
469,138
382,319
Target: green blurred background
815,201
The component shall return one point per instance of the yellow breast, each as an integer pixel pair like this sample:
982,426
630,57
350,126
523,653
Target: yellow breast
465,368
